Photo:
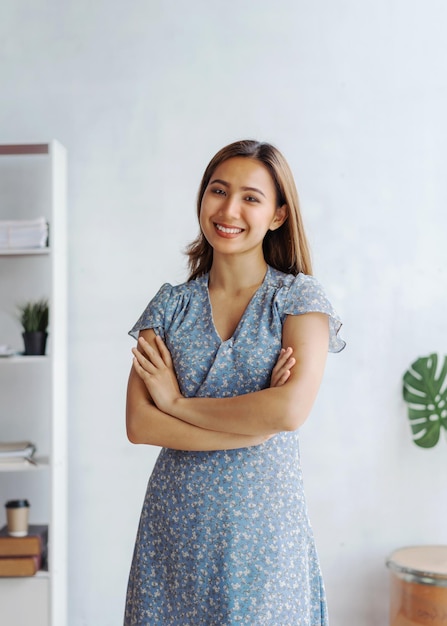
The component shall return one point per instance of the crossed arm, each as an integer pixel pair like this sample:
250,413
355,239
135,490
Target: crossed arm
158,414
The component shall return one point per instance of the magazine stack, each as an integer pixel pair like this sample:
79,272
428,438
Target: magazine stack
23,234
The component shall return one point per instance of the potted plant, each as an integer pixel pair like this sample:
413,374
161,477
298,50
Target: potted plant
34,319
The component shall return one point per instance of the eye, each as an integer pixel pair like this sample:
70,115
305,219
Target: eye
218,191
251,199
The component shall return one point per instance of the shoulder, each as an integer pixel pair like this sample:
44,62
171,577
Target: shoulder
170,295
167,303
300,294
300,285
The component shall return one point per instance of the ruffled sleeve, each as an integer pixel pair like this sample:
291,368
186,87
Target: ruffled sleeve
306,295
154,314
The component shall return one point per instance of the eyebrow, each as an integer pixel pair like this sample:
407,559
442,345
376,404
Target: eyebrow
225,184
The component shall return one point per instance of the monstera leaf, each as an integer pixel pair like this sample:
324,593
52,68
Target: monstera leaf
425,392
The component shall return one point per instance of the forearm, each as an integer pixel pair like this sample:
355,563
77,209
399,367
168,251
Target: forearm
148,425
255,414
276,409
260,413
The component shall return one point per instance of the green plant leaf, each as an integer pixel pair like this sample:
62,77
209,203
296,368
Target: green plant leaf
425,392
34,316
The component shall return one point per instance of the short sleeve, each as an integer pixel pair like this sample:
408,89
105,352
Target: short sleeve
306,295
153,315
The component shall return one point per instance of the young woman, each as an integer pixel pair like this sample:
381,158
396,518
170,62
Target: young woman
226,370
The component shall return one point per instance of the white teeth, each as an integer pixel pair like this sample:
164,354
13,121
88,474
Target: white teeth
229,231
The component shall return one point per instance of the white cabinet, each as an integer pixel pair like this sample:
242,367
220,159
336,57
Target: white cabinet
33,390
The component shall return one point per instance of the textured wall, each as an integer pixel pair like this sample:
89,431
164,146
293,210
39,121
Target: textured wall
142,94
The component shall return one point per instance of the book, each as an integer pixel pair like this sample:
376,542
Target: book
17,455
23,233
19,565
17,449
33,544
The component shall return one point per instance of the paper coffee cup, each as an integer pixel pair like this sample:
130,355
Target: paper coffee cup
17,512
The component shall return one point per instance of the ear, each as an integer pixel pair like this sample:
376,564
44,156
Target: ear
281,215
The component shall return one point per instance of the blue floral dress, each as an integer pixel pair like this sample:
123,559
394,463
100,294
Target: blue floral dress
224,537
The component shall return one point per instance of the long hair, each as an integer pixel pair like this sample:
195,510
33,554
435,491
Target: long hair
286,248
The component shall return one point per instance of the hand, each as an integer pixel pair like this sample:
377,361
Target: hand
281,371
155,368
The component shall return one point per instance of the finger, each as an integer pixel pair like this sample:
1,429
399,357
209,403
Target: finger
284,355
152,354
279,362
138,369
278,371
282,373
164,352
287,365
144,363
280,379
143,374
285,376
139,361
145,347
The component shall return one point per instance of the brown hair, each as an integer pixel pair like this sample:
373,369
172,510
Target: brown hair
286,248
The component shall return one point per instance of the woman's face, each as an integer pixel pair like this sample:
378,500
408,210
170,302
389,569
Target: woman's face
239,206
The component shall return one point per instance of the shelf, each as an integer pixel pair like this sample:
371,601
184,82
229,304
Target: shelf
33,389
21,358
24,251
24,149
41,573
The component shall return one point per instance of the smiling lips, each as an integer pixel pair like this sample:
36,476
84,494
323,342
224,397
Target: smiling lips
228,231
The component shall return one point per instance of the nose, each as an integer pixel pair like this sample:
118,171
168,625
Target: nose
230,207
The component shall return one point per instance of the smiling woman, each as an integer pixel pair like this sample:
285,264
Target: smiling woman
226,369
286,248
240,204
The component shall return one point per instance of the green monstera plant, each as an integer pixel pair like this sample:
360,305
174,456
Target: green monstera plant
425,392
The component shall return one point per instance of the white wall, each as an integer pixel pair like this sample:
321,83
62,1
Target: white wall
142,94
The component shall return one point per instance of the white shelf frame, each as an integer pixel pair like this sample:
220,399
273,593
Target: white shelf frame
24,251
38,463
56,464
22,359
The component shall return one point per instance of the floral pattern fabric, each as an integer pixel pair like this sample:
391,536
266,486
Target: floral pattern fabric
224,537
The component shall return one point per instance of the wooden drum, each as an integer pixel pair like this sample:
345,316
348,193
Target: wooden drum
418,586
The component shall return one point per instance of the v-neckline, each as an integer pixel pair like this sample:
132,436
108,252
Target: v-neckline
244,314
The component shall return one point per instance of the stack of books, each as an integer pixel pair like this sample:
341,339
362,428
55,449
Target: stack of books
17,453
18,234
24,556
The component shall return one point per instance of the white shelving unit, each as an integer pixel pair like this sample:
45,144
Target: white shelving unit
33,390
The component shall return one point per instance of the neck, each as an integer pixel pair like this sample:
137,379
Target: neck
235,274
